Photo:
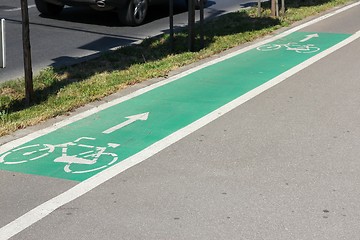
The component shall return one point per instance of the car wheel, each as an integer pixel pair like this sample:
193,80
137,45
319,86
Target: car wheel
135,13
48,9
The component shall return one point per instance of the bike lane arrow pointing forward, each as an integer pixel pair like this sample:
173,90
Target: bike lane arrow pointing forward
134,118
308,37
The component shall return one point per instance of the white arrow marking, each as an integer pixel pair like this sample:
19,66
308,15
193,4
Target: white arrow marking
308,37
134,118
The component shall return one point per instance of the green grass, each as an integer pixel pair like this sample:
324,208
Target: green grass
58,91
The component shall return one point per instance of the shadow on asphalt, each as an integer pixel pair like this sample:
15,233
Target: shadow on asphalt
148,51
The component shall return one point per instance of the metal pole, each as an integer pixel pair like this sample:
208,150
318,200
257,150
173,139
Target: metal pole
171,20
259,8
282,7
191,25
2,44
29,89
202,37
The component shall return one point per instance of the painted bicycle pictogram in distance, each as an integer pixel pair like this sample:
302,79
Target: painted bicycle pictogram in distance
292,46
86,158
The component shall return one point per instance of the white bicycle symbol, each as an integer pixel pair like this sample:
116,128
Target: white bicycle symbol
86,159
299,48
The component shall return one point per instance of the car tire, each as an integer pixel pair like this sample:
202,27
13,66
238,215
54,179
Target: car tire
134,14
48,9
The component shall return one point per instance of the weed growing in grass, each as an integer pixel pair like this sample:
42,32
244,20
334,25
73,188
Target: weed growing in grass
3,116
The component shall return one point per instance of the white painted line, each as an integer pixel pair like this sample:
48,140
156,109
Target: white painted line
18,9
51,205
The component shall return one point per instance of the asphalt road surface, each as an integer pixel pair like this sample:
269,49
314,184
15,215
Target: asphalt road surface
283,164
81,32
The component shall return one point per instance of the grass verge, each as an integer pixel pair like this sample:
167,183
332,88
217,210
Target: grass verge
59,91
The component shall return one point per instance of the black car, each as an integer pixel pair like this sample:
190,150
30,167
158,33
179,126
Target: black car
130,12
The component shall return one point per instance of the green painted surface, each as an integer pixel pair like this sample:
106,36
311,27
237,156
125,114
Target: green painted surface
171,107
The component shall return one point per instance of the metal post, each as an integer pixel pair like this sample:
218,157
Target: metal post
29,89
191,25
2,44
277,8
259,8
202,37
282,7
171,21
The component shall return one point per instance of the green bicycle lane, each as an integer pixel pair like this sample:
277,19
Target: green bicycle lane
84,148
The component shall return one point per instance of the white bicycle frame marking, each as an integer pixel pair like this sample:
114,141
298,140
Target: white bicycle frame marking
291,46
92,152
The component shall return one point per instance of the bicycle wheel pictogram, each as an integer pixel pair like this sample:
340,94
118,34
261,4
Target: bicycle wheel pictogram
26,154
87,161
308,49
269,47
